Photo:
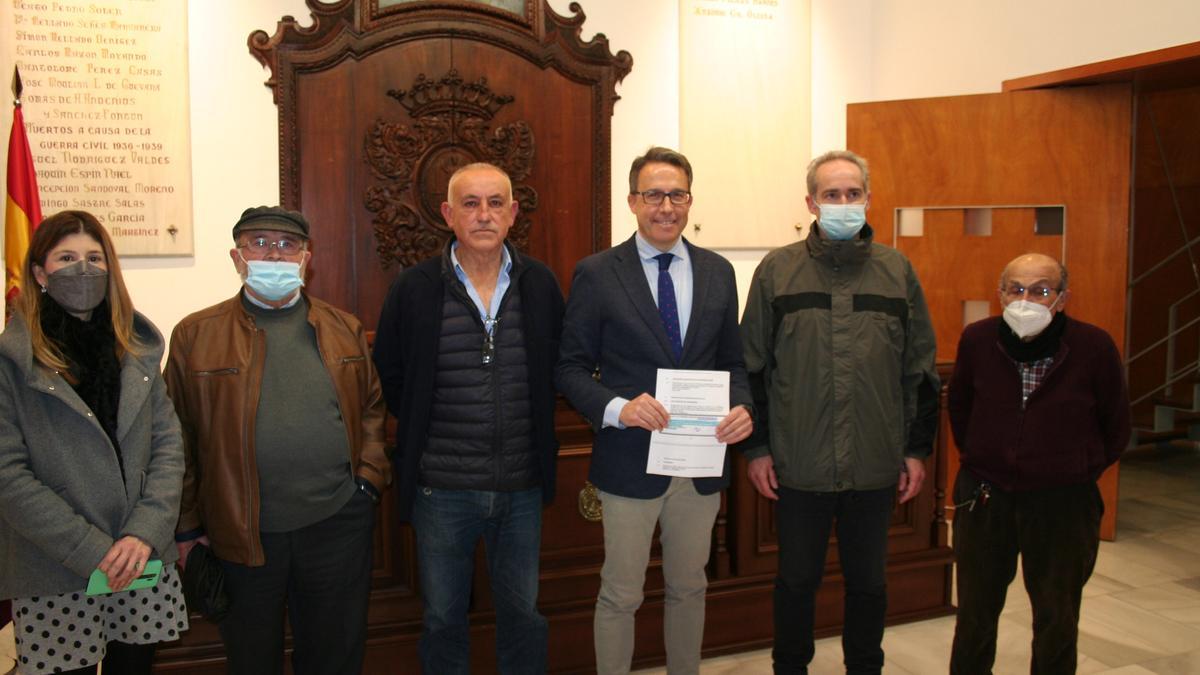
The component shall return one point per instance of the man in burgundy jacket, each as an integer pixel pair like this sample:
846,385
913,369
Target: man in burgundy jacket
1039,408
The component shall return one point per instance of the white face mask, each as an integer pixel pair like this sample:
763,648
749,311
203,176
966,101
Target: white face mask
1027,318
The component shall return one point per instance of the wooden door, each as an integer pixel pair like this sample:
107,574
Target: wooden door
1066,148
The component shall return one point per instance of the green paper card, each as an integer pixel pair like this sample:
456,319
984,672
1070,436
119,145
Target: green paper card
98,583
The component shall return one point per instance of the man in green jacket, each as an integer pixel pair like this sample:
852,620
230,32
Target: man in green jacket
840,352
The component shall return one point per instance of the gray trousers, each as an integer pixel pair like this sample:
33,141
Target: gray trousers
686,518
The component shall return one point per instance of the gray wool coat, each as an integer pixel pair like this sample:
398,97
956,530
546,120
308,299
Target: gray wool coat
62,498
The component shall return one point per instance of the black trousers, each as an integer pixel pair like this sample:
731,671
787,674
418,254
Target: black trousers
804,521
322,573
1057,534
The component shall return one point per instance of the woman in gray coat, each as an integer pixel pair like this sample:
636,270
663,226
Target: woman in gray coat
91,462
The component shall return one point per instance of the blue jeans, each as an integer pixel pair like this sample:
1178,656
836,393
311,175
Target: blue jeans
448,524
804,521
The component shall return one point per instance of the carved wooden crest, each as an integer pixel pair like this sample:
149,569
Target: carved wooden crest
449,126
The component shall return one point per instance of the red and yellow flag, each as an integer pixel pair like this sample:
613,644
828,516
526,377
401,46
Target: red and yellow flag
22,208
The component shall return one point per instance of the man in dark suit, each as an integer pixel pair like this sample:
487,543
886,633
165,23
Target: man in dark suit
654,301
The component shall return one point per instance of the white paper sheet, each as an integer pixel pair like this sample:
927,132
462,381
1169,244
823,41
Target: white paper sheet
697,401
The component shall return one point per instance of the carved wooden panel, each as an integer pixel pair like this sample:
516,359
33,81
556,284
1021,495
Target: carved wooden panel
449,127
379,104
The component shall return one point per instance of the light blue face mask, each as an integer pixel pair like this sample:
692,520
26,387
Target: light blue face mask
273,281
842,221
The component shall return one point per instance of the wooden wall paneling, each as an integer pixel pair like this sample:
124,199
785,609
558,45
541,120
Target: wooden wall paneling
1166,215
972,263
1069,146
1167,68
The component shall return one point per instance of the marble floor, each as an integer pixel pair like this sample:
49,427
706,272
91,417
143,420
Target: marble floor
1141,608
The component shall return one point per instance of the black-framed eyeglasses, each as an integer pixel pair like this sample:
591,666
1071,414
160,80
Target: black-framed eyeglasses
1019,291
656,197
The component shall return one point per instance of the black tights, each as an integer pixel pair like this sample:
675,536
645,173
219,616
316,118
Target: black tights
122,659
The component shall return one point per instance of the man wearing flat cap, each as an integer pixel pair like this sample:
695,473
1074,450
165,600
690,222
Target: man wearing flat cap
282,414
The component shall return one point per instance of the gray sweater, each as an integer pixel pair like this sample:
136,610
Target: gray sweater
63,501
300,446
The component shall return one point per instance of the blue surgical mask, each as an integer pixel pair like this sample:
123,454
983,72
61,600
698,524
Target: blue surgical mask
273,280
842,221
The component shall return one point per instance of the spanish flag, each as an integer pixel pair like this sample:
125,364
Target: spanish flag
22,209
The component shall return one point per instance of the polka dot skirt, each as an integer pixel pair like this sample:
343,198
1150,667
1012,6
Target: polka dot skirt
71,631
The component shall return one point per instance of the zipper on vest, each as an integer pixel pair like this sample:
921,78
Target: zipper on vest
497,405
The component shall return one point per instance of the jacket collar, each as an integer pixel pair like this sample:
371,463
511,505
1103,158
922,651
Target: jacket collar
15,346
447,265
849,251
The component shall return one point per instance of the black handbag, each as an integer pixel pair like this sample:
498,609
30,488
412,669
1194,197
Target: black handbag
204,584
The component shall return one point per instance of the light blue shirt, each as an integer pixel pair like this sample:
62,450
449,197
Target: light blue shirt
681,278
502,283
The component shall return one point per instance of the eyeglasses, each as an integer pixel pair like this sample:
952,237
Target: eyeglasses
261,246
656,197
1018,291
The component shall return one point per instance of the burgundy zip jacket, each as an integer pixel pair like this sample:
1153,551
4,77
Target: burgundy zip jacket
1074,425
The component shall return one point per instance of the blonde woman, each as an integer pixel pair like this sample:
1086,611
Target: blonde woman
91,462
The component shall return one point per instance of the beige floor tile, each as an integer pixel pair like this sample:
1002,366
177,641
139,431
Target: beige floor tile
1180,664
1113,564
1117,633
1189,616
1129,670
828,659
1013,640
921,647
1169,596
1186,538
8,649
1100,584
1176,562
1141,518
750,663
1184,503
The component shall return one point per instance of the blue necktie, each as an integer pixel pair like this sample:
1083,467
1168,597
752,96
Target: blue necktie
667,309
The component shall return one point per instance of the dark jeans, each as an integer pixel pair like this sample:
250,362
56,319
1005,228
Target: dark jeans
1057,534
804,521
322,573
448,525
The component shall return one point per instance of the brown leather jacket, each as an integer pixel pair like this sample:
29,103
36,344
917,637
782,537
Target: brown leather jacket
214,373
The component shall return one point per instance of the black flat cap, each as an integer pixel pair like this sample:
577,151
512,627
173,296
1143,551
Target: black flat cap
274,218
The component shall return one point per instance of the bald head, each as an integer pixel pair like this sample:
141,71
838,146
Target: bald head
1038,265
477,169
1037,278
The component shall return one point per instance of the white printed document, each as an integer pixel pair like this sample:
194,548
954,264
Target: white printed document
697,401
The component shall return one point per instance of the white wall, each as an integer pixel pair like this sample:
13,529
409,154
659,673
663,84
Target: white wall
946,47
862,50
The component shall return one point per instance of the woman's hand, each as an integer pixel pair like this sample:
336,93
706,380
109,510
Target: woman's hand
124,561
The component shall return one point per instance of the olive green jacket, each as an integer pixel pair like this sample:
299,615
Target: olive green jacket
840,351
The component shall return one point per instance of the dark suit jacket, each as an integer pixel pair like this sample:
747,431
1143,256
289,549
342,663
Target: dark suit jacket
612,325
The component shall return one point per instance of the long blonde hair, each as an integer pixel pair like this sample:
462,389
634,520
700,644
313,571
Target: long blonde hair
48,234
